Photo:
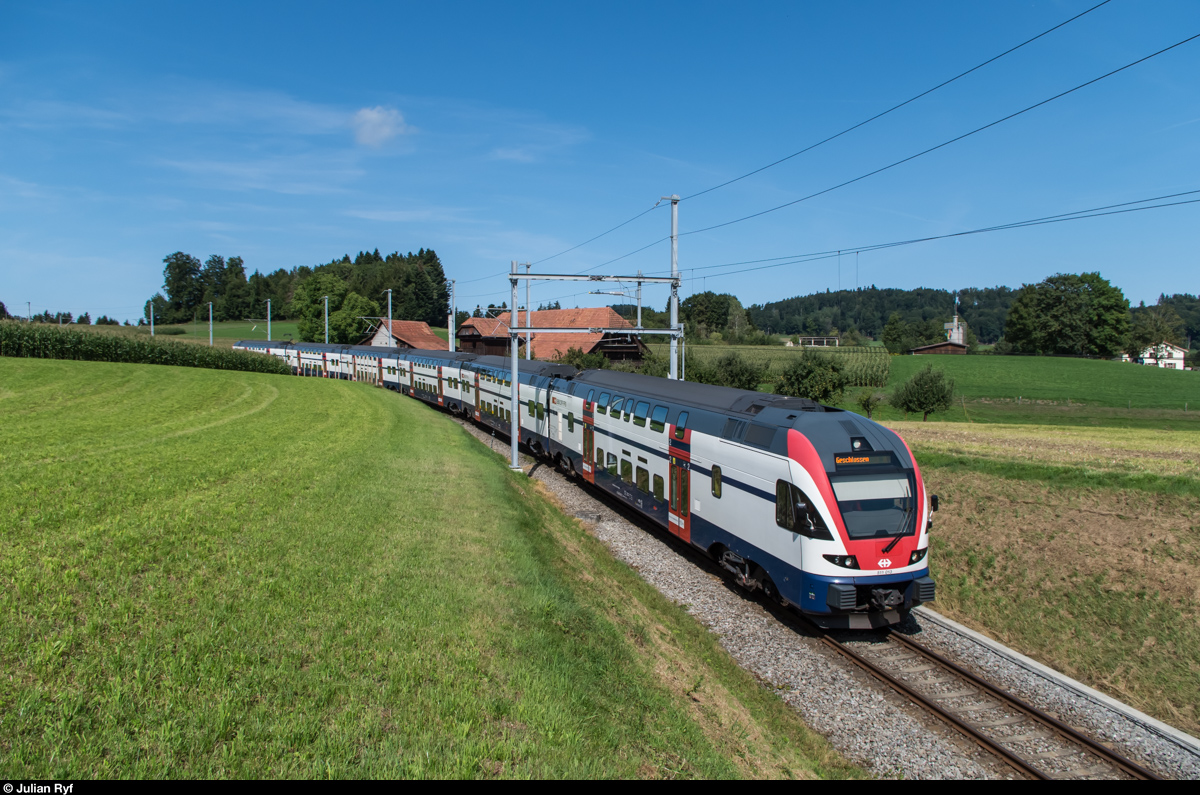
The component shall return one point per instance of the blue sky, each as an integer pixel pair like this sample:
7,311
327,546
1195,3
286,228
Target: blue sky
290,134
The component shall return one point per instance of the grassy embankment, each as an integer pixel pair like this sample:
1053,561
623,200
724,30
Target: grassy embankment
1077,546
212,574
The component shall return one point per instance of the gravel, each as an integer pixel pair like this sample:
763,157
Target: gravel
863,719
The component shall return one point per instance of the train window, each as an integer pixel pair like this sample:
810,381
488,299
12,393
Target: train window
643,480
658,420
591,394
530,408
796,512
716,482
674,489
658,487
615,408
599,456
571,422
760,435
602,404
684,491
508,415
541,411
612,464
640,412
628,408
627,471
681,424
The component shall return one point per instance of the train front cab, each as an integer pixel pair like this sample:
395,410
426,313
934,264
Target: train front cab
865,527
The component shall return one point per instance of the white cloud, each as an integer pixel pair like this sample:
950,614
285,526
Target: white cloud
376,126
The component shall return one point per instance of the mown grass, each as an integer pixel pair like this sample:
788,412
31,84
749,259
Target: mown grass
212,574
1079,547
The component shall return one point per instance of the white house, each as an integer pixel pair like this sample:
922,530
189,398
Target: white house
1166,355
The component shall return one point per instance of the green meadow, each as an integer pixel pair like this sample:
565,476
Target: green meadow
216,574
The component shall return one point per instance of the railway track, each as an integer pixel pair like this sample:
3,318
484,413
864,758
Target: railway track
1032,742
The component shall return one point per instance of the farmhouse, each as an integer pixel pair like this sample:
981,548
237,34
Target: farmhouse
1167,356
405,334
487,335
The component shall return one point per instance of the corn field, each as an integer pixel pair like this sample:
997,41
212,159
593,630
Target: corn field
38,341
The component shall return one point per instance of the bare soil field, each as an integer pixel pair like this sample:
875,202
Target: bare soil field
1100,583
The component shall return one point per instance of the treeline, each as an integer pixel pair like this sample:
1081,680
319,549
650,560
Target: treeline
51,342
867,311
355,288
62,318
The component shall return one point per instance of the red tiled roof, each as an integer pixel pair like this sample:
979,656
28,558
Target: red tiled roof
413,333
549,346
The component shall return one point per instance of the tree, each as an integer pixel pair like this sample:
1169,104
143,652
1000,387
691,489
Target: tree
3,312
813,376
308,304
181,280
868,400
346,325
1153,329
894,332
84,320
583,361
734,371
1069,315
926,392
235,304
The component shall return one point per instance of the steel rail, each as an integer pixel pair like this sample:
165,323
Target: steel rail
1018,764
1006,699
1107,754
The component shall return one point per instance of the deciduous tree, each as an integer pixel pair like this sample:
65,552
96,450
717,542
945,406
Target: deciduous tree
926,392
813,376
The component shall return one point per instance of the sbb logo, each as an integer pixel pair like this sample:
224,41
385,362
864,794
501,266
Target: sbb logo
884,563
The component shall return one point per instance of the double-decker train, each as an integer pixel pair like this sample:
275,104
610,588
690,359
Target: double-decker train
822,509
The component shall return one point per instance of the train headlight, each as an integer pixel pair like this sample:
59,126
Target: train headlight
845,561
917,556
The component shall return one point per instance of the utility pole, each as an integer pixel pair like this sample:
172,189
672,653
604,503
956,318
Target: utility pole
528,316
210,324
151,317
29,311
391,342
453,316
515,424
326,320
268,319
674,374
639,296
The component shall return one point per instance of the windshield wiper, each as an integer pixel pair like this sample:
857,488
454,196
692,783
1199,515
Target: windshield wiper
895,541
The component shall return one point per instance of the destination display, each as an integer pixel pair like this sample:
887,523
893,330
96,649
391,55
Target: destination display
881,459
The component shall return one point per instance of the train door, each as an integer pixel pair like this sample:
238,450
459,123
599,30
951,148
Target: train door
324,365
441,387
478,416
680,477
589,440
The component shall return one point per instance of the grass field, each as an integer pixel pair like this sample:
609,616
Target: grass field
212,574
1077,546
1026,389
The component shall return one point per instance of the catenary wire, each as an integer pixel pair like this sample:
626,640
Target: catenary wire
944,143
863,123
895,107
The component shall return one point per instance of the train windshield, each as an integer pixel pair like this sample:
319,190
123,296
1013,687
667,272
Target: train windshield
875,505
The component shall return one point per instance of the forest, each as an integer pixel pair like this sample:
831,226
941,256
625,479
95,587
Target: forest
355,288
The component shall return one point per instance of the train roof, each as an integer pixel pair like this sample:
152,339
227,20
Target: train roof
716,398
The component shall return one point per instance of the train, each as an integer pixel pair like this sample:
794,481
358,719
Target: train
821,509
